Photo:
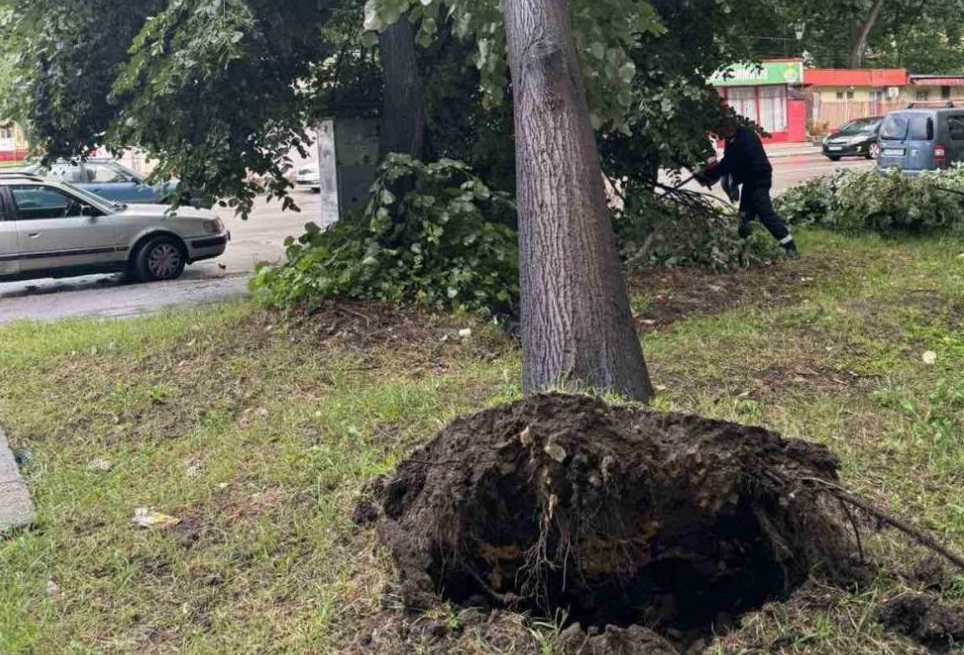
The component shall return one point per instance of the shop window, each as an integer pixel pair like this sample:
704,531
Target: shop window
923,96
945,93
743,101
773,108
839,95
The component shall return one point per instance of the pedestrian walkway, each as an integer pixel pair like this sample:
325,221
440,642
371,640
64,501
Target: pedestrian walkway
16,508
776,150
781,150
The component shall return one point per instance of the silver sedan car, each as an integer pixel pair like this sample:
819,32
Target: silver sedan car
54,229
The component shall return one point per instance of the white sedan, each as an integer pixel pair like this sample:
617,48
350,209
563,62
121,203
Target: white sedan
54,229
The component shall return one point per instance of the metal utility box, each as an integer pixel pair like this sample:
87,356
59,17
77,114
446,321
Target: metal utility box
347,162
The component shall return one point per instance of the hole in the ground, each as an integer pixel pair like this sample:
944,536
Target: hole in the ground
617,516
696,578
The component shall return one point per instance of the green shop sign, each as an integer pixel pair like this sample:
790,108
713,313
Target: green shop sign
783,72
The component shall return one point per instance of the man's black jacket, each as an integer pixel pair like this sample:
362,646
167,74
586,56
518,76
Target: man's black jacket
745,159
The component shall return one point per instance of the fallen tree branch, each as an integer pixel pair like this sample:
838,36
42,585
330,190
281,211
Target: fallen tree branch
918,535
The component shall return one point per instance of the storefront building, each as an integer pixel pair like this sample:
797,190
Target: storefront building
764,93
841,95
936,89
13,143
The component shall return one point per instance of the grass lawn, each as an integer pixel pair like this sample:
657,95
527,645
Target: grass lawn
259,436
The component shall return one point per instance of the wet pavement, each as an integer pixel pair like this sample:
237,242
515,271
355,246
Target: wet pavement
261,238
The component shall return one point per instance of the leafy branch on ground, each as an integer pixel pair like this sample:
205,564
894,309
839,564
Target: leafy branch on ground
436,236
685,228
888,203
444,244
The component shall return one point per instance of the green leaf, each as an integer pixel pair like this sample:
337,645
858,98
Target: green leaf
627,71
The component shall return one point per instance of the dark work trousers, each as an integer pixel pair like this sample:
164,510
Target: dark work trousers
755,203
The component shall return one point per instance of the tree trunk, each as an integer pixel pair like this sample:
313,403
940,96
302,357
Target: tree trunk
860,43
577,327
404,114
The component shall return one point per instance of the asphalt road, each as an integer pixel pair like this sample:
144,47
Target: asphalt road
261,238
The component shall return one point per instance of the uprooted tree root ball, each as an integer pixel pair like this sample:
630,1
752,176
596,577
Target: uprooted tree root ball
617,516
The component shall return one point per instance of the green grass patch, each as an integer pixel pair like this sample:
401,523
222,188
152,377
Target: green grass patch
259,436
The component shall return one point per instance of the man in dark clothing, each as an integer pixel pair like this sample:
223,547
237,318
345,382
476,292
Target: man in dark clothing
745,160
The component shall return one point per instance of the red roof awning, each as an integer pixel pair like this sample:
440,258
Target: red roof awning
937,81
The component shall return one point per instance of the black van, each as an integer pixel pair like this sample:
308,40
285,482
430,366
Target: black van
916,140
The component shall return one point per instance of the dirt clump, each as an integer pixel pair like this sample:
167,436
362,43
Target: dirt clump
634,640
615,516
925,619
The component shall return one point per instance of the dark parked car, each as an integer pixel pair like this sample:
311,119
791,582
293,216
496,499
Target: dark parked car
858,138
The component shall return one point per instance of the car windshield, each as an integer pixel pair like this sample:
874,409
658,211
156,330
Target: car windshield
859,127
112,166
93,199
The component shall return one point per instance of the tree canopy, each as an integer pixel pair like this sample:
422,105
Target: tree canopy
210,88
214,89
925,37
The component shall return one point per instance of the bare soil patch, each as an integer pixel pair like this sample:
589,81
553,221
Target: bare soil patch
679,293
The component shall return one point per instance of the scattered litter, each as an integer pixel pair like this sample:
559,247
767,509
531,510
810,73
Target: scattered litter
52,588
930,357
146,518
99,465
465,333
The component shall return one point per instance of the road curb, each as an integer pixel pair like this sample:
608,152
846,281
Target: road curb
16,507
794,153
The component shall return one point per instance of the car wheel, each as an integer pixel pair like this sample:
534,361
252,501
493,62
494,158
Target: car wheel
833,157
161,258
873,151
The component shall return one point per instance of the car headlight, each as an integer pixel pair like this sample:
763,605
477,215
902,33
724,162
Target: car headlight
214,227
857,139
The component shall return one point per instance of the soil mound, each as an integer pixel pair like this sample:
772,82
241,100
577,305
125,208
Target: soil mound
615,515
925,619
